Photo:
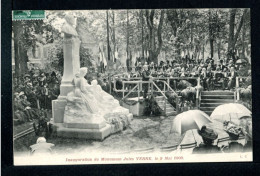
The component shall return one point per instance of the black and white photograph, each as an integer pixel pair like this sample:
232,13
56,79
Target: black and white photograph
131,86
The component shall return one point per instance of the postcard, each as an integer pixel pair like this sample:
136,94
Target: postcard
131,86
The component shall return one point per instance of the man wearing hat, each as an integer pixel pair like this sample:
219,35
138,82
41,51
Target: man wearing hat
42,79
221,65
145,77
208,136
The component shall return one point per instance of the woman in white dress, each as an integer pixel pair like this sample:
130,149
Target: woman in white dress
90,103
93,99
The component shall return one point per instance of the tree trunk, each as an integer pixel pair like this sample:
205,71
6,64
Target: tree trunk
211,37
16,53
20,52
203,48
127,35
108,48
172,17
219,43
243,40
239,29
142,21
211,41
114,32
23,59
154,50
231,29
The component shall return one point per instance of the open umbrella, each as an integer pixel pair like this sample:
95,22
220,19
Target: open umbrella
230,112
192,119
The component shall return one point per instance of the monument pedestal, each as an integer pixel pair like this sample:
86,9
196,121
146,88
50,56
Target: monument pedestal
91,129
58,108
88,130
62,130
71,46
77,122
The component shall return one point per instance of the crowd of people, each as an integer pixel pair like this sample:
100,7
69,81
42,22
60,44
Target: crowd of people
33,93
234,131
222,73
36,89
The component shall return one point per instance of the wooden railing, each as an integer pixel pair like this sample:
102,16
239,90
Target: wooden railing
198,94
166,86
152,87
167,79
177,96
237,93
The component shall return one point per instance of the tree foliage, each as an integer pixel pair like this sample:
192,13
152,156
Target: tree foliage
199,33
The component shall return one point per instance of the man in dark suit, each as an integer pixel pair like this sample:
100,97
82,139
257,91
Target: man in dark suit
209,78
221,66
145,77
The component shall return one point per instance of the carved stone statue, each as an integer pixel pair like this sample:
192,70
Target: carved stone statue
88,104
68,28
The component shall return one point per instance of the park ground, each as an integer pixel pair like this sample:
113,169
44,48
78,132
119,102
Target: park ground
143,133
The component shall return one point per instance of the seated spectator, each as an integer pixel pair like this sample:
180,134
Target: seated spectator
25,106
194,71
219,78
208,136
19,115
203,77
183,74
233,132
153,72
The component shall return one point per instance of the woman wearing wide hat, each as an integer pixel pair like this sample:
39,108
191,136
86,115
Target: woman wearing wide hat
208,136
233,132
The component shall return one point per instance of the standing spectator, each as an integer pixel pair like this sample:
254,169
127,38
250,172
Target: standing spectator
221,66
210,76
29,92
232,78
45,94
146,76
42,79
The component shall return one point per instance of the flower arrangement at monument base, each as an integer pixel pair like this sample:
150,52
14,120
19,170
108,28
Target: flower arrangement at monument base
117,121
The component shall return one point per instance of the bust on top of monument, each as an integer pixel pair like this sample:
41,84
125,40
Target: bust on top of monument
68,27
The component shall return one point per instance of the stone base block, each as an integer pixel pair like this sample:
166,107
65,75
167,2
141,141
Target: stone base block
136,109
91,124
96,134
58,107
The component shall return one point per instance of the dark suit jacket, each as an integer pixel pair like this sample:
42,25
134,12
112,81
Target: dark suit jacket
145,75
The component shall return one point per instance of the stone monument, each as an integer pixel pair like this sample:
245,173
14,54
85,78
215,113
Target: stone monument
71,117
71,48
